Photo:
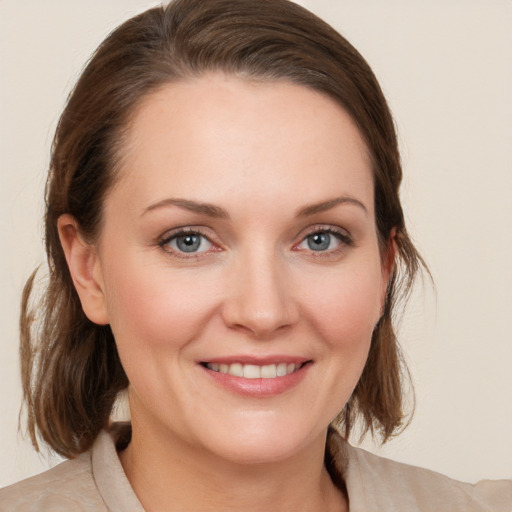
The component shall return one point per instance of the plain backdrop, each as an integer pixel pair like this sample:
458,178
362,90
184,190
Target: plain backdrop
445,67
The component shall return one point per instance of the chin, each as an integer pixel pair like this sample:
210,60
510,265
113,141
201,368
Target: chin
262,444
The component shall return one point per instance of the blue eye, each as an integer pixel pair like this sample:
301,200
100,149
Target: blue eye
320,241
188,243
325,240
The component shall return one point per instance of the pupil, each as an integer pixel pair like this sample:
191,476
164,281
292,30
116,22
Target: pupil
188,243
319,241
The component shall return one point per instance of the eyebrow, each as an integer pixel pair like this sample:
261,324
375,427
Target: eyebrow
208,209
312,209
214,211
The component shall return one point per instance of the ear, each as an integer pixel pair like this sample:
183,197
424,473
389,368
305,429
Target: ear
85,269
388,264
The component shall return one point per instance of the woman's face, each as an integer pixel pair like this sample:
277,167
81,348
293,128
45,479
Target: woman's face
240,265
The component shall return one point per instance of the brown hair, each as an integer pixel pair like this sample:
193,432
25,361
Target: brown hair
70,366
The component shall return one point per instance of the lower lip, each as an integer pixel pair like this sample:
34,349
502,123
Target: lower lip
259,388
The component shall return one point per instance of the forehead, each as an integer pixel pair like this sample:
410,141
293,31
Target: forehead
221,136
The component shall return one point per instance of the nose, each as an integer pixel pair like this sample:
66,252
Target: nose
259,299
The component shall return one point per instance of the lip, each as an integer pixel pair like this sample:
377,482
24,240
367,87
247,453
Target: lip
258,388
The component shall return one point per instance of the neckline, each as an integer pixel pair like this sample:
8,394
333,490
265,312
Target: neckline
118,494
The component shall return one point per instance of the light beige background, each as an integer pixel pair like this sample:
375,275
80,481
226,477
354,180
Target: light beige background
445,66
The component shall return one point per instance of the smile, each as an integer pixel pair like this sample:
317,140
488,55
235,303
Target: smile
252,371
262,378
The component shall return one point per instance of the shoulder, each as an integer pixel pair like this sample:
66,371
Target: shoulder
93,482
378,484
68,487
393,484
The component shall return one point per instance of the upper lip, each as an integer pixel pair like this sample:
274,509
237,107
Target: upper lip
258,360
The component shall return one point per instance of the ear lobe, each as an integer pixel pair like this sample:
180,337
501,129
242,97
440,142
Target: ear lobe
84,267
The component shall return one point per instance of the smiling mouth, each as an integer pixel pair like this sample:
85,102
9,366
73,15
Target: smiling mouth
252,371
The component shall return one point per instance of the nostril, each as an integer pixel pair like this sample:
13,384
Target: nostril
259,302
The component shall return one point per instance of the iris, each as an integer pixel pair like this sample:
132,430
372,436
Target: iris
319,241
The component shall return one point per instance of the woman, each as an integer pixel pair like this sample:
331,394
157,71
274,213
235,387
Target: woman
224,235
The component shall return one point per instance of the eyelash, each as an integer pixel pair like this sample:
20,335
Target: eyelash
343,237
169,237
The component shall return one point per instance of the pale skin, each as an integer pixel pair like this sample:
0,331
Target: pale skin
273,183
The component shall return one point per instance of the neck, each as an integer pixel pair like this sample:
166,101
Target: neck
164,471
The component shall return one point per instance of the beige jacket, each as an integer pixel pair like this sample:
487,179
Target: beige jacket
95,482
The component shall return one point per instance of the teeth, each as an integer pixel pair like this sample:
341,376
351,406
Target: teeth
252,371
236,369
282,368
269,371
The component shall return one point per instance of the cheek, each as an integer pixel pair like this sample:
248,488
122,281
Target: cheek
345,306
155,316
151,308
